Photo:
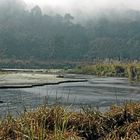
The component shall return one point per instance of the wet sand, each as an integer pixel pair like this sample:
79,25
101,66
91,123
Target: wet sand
26,80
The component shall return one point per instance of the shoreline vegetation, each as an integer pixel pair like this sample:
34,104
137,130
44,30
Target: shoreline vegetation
130,70
59,123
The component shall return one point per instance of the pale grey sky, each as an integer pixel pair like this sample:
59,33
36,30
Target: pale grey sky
84,8
87,3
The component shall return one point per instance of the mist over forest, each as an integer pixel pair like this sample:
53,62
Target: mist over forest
35,36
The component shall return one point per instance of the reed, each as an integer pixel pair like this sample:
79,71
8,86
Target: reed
111,69
58,123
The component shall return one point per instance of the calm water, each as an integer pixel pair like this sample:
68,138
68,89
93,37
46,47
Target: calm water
97,92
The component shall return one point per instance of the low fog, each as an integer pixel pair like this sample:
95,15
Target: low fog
68,30
82,10
85,5
86,8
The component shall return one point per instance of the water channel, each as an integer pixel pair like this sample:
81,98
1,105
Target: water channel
96,92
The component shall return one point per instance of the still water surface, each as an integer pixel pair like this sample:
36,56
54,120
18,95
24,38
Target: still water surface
97,92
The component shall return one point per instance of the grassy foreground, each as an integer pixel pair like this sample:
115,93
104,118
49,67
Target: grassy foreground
56,123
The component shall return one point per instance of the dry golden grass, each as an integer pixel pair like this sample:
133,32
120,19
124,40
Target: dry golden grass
131,70
57,123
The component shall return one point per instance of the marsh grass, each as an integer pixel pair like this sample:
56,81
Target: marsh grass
59,123
112,69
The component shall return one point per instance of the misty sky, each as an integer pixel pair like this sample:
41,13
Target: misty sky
83,8
91,4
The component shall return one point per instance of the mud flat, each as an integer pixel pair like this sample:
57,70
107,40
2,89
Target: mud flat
26,80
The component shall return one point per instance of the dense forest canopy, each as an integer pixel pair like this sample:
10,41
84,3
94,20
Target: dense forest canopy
30,36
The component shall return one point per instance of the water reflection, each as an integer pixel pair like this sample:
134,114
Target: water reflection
101,92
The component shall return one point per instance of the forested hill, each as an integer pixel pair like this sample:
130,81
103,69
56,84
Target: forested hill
31,37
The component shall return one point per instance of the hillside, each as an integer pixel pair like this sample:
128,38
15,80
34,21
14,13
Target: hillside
37,39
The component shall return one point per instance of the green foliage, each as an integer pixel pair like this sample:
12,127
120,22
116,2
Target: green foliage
39,39
33,36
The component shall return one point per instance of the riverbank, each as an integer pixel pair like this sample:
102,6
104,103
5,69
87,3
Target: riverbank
58,123
130,70
20,79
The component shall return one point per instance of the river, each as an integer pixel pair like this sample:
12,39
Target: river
96,92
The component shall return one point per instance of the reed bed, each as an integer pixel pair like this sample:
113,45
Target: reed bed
58,123
111,69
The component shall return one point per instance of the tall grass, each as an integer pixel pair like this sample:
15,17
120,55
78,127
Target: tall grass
57,123
112,69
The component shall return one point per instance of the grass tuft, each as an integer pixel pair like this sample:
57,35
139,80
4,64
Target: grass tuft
58,123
